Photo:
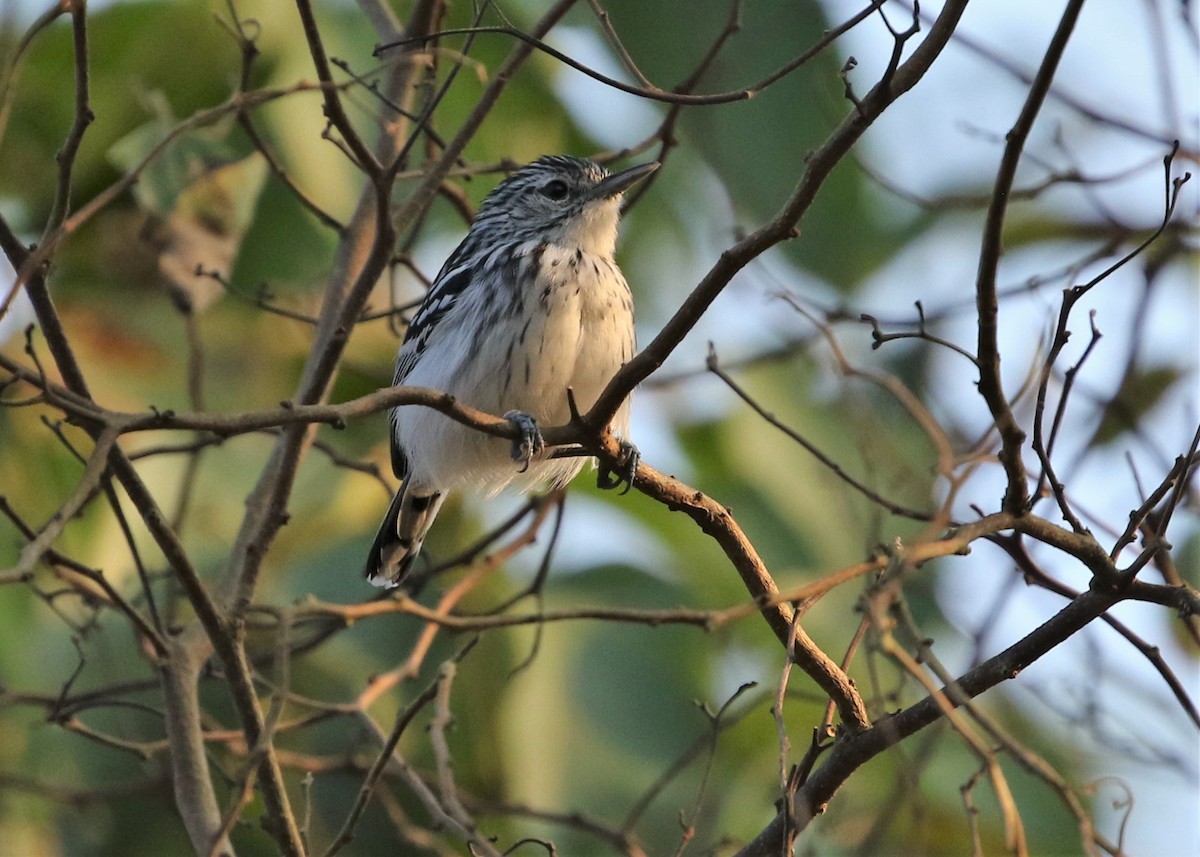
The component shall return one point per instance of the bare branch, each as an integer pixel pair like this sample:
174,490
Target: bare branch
784,227
83,118
647,90
1016,498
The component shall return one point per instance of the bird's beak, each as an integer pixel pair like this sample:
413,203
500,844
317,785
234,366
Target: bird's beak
622,181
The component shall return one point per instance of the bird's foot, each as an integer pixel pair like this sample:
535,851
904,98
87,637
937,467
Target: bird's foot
530,444
607,479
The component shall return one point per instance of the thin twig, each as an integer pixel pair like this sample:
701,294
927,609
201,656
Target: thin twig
1012,437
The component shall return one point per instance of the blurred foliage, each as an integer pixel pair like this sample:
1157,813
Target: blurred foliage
576,717
1137,396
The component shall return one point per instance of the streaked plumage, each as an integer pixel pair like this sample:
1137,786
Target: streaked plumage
530,303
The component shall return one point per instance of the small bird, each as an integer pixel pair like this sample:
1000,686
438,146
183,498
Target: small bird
529,305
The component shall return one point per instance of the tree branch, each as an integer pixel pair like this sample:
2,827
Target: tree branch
1016,497
819,166
854,750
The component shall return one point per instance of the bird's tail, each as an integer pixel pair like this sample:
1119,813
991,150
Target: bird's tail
401,535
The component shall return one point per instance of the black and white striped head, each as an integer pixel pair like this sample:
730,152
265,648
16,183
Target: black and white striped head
561,200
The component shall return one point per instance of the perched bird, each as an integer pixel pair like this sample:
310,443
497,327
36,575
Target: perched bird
531,303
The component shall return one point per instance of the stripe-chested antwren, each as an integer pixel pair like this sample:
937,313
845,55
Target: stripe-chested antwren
531,303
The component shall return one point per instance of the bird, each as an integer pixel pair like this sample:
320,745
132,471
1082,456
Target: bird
529,309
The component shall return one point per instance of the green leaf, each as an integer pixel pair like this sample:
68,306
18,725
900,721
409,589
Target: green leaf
178,166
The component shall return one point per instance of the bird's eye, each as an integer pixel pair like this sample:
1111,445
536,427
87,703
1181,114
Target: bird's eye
556,189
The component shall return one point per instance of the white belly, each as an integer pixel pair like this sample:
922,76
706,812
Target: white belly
575,329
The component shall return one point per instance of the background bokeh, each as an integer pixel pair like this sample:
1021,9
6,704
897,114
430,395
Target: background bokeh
602,710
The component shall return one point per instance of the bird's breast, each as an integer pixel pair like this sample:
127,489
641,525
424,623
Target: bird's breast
577,333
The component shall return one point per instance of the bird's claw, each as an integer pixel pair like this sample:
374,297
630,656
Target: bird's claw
530,444
607,479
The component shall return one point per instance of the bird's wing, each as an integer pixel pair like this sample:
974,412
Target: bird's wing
454,278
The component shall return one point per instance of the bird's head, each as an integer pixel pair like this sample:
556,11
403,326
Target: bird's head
572,202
